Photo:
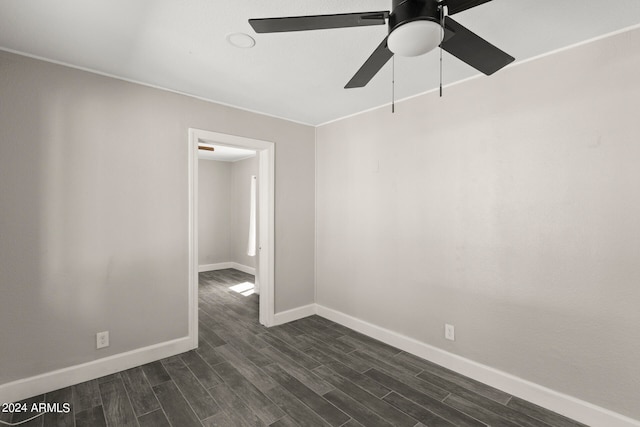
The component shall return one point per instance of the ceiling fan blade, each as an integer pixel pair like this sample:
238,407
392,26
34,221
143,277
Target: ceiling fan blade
455,6
371,66
473,49
318,22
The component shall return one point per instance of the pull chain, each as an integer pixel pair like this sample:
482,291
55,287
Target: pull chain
442,27
440,72
393,84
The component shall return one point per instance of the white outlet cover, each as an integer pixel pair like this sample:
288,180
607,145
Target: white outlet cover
449,332
102,339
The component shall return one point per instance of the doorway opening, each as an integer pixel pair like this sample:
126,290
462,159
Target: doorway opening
264,238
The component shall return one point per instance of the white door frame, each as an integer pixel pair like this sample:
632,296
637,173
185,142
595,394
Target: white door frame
266,248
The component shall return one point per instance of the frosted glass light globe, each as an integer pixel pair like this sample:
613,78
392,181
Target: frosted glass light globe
415,38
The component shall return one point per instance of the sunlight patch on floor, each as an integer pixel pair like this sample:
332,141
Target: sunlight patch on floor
245,288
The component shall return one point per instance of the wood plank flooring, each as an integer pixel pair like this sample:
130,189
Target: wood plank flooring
311,372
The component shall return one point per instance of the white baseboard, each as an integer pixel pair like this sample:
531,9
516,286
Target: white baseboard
50,381
217,266
294,314
225,265
245,268
566,405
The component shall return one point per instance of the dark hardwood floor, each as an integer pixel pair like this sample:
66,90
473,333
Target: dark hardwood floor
311,372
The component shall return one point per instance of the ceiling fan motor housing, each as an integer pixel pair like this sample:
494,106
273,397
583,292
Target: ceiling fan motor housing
414,27
405,11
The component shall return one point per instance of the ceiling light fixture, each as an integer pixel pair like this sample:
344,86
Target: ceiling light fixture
241,40
415,38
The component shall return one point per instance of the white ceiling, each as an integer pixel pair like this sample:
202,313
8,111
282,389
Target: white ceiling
180,45
224,154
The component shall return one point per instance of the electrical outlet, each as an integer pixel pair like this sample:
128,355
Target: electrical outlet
102,339
449,332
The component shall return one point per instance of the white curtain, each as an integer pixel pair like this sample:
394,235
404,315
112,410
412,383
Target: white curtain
251,246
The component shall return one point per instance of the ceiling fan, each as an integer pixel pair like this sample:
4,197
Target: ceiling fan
415,28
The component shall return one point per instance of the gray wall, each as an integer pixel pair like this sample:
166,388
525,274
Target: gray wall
224,190
214,212
94,212
508,208
241,172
